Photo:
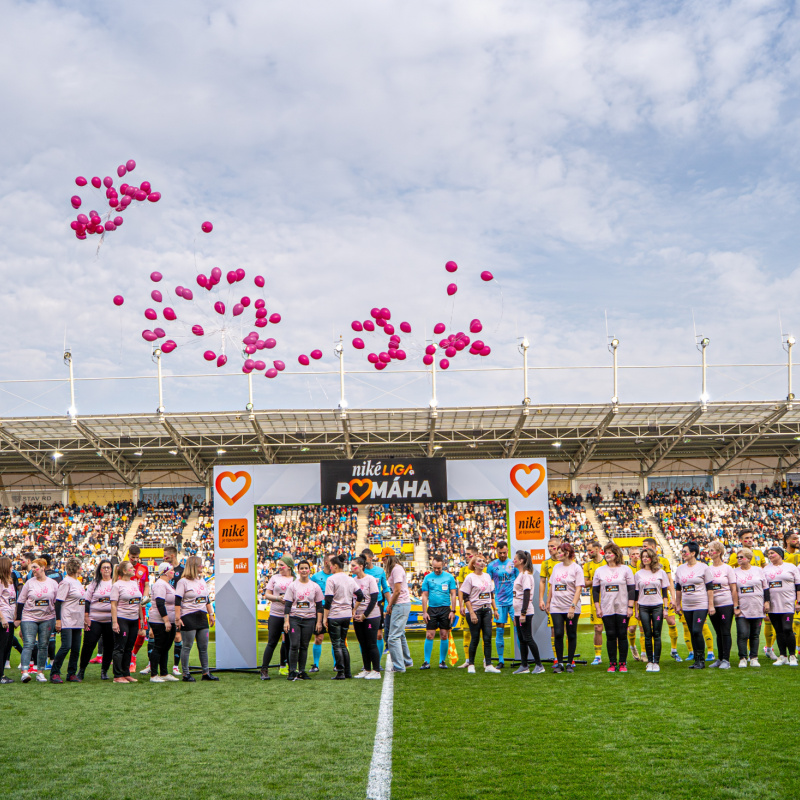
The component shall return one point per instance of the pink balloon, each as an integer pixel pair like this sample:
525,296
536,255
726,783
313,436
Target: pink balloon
279,365
260,365
219,307
439,327
369,325
96,182
259,303
110,226
76,201
202,280
259,281
83,219
80,180
450,352
401,355
380,365
405,327
373,358
156,295
486,275
356,326
210,355
358,343
149,336
246,370
108,182
249,363
125,202
260,344
216,273
444,363
380,322
240,273
238,308
159,332
121,170
392,352
179,291
130,165
478,344
385,313
275,318
169,314
251,338
303,359
375,313
245,301
459,346
269,343
261,323
153,197
231,277
475,326
388,328
140,195
452,289
187,294
197,330
316,354
168,346
261,313
150,313
431,350
118,300
145,187
384,357
427,360
118,221
156,277
486,351
444,343
271,372
207,227
451,266
75,225
99,229
222,361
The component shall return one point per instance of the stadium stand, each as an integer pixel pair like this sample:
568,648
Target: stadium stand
568,519
621,515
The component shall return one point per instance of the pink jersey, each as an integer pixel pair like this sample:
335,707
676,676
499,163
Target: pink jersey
278,585
751,584
128,597
692,581
781,581
368,586
563,583
99,598
398,576
479,589
304,598
39,599
649,585
522,582
193,594
342,587
162,590
73,594
613,583
722,578
8,604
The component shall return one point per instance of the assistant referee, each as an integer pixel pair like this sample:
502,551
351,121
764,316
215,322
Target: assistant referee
438,610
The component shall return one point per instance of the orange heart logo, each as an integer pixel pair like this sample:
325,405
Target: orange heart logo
232,477
365,482
527,469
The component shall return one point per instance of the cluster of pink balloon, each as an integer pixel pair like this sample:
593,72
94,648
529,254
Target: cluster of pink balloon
118,201
381,319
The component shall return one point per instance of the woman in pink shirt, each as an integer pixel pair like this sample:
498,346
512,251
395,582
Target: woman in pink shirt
194,614
726,598
652,590
695,598
753,604
126,614
8,600
613,594
524,590
397,610
477,591
302,615
367,620
162,623
338,613
36,613
783,580
564,604
275,591
70,603
97,619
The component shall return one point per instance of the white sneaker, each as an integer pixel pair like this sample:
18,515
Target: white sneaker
8,665
781,661
26,676
372,676
470,669
792,661
461,666
656,668
41,678
169,678
145,671
177,671
754,662
156,679
742,663
490,668
362,674
770,653
649,667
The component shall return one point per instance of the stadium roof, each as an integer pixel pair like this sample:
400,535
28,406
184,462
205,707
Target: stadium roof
575,434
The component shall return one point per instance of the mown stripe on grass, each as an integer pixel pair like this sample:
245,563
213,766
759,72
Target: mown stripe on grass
379,783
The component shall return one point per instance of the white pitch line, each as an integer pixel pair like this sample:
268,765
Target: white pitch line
379,783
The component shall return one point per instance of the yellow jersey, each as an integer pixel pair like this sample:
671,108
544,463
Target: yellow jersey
547,568
589,569
758,559
462,574
792,558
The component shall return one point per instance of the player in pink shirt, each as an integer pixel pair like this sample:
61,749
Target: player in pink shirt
275,591
162,623
695,593
753,604
366,620
651,584
726,598
477,591
564,605
8,600
338,613
36,613
613,594
126,615
194,616
783,580
97,619
302,614
524,590
70,604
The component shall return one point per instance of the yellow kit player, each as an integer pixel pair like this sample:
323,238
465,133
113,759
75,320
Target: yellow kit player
596,560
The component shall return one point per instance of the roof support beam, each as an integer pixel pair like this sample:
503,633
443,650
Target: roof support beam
431,431
749,438
109,454
193,461
665,447
42,465
269,452
511,447
589,446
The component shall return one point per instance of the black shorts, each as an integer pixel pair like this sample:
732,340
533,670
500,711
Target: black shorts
438,618
196,621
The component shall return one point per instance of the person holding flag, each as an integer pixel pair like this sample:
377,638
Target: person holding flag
439,591
503,573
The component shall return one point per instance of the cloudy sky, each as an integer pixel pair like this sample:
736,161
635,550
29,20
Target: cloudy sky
629,162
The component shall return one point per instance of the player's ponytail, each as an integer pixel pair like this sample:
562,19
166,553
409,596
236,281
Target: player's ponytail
525,557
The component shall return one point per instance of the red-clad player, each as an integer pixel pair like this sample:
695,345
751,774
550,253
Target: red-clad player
141,576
